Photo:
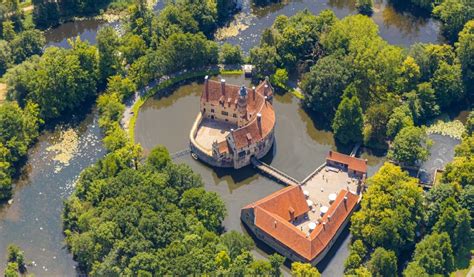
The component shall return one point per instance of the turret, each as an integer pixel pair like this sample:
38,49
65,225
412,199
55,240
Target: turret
242,106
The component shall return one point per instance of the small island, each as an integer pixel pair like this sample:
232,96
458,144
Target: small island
234,124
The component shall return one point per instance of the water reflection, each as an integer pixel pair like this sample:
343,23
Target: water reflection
397,26
86,29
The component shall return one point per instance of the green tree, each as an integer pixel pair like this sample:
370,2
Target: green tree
187,51
8,30
364,6
410,74
276,262
386,219
304,270
383,263
222,260
447,84
159,157
260,268
324,84
19,128
410,146
237,243
401,118
435,200
465,51
348,121
206,206
414,269
5,179
470,124
230,54
280,78
456,223
26,44
16,256
453,14
357,254
422,102
265,59
60,82
108,44
5,57
132,47
434,254
461,170
123,86
11,270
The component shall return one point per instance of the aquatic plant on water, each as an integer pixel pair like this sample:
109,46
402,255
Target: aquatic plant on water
453,129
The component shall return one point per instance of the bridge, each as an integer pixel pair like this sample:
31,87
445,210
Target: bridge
274,173
180,153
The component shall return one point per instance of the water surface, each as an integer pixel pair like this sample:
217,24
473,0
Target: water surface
396,26
33,221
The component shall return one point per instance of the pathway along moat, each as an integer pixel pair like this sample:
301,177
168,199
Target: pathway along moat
33,221
299,148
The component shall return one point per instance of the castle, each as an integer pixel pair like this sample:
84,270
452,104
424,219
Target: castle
234,124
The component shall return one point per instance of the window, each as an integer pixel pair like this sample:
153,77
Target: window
241,154
212,110
234,115
225,113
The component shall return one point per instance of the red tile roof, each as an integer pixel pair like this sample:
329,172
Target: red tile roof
272,217
223,147
257,130
283,202
353,163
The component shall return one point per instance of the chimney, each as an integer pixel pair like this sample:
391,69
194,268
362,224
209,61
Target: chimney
324,225
259,122
223,87
253,92
275,224
329,218
265,90
206,86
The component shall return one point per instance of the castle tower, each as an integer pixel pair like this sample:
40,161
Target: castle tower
242,106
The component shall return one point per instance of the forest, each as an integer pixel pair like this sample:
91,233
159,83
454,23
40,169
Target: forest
137,215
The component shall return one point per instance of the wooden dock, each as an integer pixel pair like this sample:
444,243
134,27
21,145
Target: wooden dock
274,173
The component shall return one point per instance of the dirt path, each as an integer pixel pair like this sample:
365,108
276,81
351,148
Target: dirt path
3,93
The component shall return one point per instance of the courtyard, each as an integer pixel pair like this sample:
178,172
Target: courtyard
212,130
320,192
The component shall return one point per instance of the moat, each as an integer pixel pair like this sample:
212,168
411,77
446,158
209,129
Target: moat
299,148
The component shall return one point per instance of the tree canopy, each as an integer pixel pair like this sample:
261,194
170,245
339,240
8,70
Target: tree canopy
386,219
410,146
